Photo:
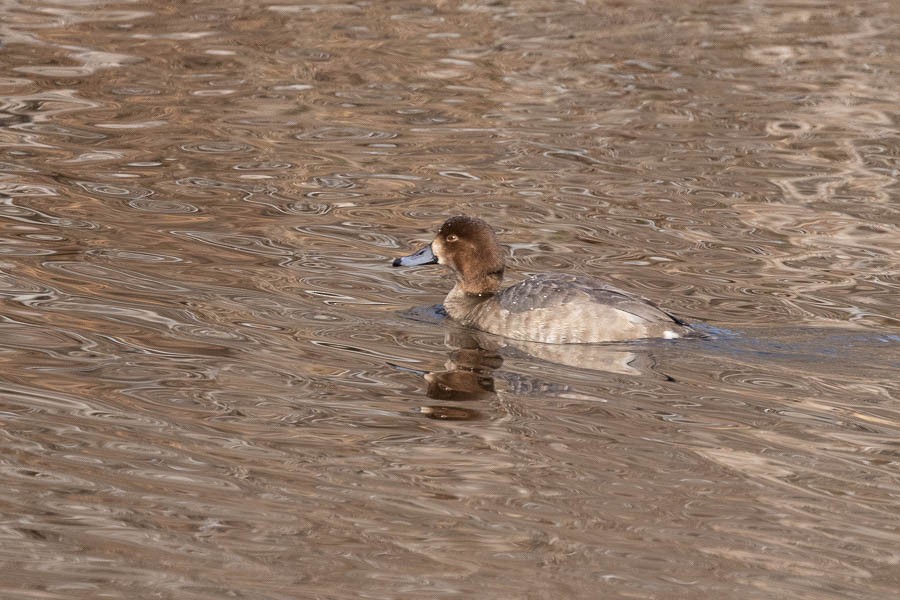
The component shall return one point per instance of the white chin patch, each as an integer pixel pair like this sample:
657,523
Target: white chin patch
670,335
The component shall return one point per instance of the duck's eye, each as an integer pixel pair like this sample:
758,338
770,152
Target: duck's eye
452,237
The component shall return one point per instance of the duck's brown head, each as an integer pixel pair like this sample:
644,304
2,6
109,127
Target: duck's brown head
470,248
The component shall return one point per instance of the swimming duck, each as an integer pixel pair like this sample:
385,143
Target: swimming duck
553,308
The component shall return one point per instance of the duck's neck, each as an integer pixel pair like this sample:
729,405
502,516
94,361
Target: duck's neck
459,303
471,290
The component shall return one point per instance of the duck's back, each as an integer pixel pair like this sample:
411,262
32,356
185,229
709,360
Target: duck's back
567,309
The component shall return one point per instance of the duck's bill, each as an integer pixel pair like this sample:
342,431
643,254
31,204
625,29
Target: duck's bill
423,257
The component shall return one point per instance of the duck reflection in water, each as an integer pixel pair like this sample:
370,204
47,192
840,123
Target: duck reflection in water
468,375
472,372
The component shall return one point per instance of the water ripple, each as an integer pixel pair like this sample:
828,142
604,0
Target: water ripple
9,209
242,243
129,280
117,190
169,207
220,147
328,134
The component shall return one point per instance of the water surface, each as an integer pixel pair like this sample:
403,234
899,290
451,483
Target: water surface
212,384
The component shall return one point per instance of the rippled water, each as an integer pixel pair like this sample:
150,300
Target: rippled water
213,384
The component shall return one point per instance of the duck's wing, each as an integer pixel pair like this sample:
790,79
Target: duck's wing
553,290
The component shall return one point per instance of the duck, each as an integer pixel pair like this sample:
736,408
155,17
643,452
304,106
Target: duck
549,308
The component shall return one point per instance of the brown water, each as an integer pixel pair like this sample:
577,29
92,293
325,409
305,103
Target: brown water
214,386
